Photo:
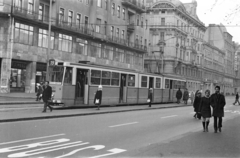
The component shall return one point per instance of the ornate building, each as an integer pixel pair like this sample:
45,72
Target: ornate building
175,41
105,32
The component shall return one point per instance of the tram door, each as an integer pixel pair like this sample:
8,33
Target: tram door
81,87
151,82
123,89
171,91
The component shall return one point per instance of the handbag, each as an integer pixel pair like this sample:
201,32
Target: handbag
148,100
97,101
199,115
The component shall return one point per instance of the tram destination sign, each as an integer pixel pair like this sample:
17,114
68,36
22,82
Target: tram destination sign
56,68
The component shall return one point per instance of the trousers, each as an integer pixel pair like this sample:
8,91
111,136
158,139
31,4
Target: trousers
217,122
46,104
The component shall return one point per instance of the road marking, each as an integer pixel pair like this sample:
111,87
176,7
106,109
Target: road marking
169,116
124,124
23,140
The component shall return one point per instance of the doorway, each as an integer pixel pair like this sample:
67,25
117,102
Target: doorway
81,82
151,81
123,89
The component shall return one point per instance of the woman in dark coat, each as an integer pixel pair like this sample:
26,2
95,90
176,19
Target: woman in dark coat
150,96
98,97
196,103
185,96
205,110
179,95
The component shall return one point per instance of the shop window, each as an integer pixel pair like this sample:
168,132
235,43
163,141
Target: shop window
158,82
56,74
106,77
95,77
167,83
68,75
131,80
144,81
115,79
43,38
23,34
18,78
65,43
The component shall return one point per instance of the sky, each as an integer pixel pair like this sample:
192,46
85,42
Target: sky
226,12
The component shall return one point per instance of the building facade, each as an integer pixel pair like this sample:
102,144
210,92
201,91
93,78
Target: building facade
178,27
104,32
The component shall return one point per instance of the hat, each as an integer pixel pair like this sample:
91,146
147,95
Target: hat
38,84
100,86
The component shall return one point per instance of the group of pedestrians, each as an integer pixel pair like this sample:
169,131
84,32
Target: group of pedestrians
184,96
202,107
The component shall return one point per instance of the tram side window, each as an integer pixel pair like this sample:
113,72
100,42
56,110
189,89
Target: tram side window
55,74
183,85
115,79
131,80
106,77
95,77
158,82
68,75
144,81
167,83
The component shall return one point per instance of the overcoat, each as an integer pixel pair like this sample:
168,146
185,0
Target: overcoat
205,107
185,95
98,96
150,95
218,102
47,94
237,96
196,103
179,94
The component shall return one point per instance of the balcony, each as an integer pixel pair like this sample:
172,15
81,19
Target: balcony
131,27
133,4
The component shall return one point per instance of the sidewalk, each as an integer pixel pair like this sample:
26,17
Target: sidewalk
35,113
18,98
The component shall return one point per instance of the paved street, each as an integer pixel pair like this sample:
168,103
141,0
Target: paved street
169,132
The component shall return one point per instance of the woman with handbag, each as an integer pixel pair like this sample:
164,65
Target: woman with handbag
205,110
98,97
196,104
150,95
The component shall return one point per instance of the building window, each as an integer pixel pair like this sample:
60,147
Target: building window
19,4
70,17
177,23
61,15
81,46
23,34
78,20
123,34
43,38
86,22
124,14
65,43
162,36
146,24
117,32
144,81
163,21
98,25
141,40
136,40
95,50
138,20
105,28
118,11
106,4
30,6
40,12
99,3
87,2
112,31
142,22
113,8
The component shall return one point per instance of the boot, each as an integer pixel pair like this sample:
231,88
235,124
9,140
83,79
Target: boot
203,123
207,123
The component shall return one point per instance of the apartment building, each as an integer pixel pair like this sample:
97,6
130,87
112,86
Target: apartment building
104,32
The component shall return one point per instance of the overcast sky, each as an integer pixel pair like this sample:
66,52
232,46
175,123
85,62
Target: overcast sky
226,12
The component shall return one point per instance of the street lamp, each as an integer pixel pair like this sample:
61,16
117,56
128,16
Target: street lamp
161,45
49,39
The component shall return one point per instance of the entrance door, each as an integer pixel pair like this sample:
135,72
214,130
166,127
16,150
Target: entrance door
123,89
81,83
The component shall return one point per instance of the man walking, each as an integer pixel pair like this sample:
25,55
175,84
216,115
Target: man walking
185,96
218,102
47,94
237,99
179,95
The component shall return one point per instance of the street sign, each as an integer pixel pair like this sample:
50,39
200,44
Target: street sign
51,62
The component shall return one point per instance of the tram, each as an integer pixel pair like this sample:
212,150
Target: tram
74,84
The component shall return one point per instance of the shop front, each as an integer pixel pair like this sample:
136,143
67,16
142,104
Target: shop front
40,73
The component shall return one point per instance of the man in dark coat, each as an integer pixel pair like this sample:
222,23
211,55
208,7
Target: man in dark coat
150,95
98,97
237,99
46,96
185,96
218,102
179,95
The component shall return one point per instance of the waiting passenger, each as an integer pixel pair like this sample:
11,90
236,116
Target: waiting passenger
150,96
98,97
179,95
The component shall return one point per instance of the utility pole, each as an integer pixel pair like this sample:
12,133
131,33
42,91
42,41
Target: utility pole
49,39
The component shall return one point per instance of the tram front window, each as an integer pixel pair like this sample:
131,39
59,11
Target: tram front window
56,74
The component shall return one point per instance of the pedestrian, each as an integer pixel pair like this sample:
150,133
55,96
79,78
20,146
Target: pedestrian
192,97
179,95
205,110
150,97
237,99
98,97
196,103
39,92
185,96
46,96
218,102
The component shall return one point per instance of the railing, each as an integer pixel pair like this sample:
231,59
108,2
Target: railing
131,26
135,3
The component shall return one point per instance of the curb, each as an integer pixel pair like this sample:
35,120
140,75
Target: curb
85,114
16,103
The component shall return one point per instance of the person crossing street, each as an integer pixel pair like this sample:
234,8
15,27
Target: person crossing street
46,96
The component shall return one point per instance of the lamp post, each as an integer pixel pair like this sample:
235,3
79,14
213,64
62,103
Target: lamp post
161,45
49,39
